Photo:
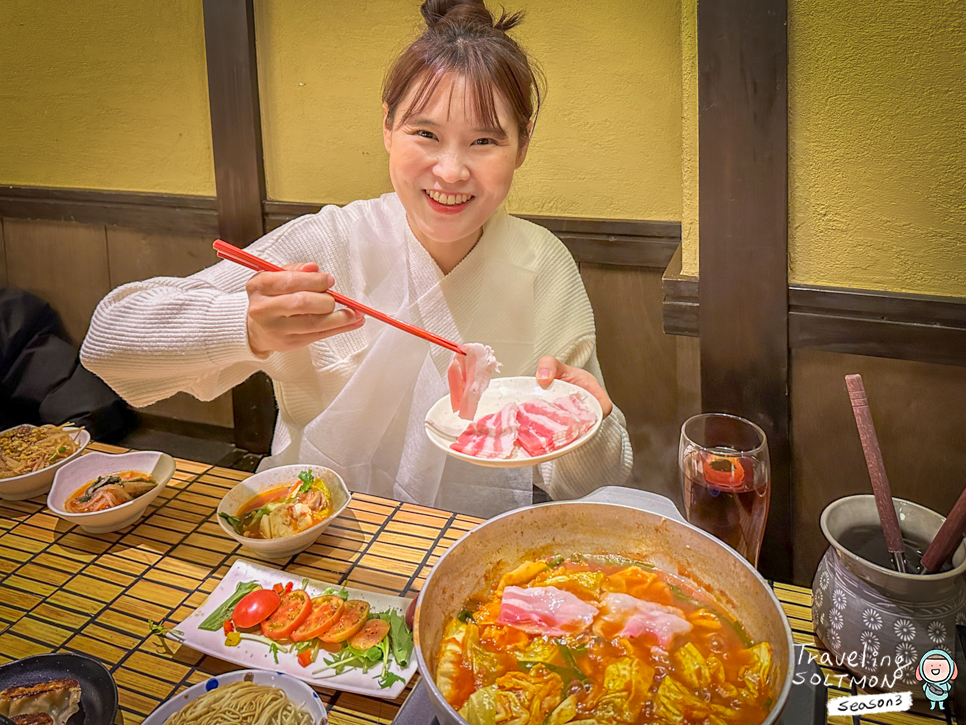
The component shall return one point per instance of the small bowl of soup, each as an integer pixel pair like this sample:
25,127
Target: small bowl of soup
103,492
279,512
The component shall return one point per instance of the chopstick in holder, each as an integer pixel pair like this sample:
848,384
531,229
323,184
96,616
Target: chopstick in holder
947,538
232,253
877,473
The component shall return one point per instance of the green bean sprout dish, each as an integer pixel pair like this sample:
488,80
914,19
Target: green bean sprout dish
26,449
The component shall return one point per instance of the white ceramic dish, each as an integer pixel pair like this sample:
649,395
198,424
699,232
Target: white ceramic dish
298,692
443,426
33,484
273,478
255,654
74,475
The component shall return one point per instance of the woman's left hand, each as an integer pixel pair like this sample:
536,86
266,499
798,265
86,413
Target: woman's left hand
550,369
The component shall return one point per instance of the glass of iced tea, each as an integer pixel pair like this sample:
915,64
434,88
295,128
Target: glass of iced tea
727,479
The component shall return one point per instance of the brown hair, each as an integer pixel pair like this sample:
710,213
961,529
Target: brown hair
461,37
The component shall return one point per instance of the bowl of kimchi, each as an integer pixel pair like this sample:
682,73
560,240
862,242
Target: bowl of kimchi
281,511
103,492
600,610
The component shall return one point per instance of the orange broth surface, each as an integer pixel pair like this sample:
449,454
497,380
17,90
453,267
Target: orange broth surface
719,679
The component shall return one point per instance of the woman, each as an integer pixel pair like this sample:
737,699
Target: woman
459,106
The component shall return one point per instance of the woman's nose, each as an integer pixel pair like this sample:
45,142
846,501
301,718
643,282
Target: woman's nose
451,167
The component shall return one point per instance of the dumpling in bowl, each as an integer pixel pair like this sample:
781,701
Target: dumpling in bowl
57,698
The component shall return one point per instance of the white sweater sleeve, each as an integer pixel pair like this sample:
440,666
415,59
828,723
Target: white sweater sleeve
606,460
151,339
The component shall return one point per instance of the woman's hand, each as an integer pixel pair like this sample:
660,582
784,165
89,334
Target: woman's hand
550,369
289,310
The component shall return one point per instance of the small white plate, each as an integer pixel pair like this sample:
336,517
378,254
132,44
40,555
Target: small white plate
254,654
300,694
443,426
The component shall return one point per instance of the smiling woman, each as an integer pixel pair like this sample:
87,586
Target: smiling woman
441,252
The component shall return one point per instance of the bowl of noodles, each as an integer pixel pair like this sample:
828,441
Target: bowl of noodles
30,456
244,697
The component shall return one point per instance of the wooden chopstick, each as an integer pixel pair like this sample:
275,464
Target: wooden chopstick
232,253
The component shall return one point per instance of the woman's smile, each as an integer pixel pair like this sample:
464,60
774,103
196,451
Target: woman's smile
447,203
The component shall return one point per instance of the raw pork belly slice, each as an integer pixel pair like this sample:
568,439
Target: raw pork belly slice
469,375
492,436
546,426
545,610
642,617
576,406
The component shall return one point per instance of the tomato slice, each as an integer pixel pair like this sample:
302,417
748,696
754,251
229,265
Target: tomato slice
325,612
294,609
254,607
352,620
723,472
371,634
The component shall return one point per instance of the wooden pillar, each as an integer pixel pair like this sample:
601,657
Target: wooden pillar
236,136
743,257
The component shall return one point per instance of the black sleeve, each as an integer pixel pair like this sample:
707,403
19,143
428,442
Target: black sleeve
41,379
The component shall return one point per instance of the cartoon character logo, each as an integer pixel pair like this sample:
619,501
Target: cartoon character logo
936,672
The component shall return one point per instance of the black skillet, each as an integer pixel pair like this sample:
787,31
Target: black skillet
98,691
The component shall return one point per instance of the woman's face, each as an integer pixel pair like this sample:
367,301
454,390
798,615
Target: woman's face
449,173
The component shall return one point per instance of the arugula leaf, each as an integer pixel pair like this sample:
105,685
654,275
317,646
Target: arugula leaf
274,650
300,647
343,592
400,636
307,480
158,630
388,678
222,614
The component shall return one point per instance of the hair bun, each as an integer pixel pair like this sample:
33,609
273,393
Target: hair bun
439,14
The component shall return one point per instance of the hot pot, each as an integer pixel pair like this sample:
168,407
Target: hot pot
614,521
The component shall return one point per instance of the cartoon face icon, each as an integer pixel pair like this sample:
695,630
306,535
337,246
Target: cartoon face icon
936,669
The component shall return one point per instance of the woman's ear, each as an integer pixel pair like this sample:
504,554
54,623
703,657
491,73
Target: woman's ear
524,147
386,128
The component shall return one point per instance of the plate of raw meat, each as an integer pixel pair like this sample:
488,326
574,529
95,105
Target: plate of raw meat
517,423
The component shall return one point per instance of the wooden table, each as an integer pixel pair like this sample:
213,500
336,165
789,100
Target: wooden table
62,590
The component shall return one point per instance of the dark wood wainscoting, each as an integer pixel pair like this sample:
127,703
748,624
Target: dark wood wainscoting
920,328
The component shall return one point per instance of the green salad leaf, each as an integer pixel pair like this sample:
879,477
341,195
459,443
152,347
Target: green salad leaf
307,480
222,614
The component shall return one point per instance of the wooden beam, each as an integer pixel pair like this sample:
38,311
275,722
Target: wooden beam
236,136
743,256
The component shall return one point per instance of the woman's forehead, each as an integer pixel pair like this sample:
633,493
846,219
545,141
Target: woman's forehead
452,98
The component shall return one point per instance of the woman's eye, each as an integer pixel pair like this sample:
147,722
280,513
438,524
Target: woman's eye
425,134
484,142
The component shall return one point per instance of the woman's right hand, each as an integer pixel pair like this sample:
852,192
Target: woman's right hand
289,310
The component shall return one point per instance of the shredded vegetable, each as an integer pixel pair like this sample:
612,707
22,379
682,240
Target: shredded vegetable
26,449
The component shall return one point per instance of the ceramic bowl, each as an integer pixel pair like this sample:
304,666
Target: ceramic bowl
33,484
273,478
298,692
74,475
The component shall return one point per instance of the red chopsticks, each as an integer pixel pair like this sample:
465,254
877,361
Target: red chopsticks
239,256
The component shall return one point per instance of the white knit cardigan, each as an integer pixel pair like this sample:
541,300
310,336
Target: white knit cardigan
151,339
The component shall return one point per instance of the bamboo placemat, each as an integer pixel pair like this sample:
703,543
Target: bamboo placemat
63,590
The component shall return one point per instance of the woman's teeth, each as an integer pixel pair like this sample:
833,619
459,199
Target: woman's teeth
449,199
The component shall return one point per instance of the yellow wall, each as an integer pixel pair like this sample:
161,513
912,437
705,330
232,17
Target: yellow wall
105,94
689,137
877,144
608,142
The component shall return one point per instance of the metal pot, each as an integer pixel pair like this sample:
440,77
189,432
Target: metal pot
613,521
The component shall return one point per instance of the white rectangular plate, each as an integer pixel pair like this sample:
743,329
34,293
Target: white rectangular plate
254,655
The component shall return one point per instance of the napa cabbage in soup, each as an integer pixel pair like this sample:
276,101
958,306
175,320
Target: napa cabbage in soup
600,641
283,511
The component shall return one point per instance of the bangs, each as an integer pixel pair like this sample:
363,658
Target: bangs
478,93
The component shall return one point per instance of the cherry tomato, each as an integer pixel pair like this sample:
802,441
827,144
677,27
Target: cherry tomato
352,620
325,612
292,611
254,607
370,635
